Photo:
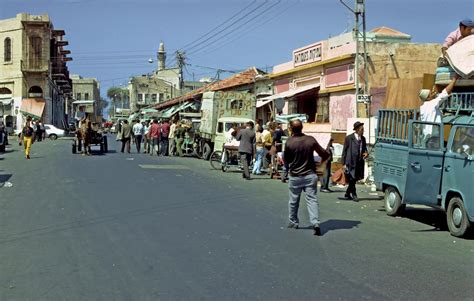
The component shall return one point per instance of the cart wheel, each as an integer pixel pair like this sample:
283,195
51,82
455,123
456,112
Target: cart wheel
215,160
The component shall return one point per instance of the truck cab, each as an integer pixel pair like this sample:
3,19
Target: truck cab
428,163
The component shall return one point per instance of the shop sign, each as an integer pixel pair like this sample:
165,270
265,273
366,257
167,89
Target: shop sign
307,55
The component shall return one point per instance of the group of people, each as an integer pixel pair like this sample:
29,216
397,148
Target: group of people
160,138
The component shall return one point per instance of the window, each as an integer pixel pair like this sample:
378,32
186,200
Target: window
161,97
86,96
322,109
78,96
426,136
147,98
139,97
36,52
153,97
463,142
7,50
220,127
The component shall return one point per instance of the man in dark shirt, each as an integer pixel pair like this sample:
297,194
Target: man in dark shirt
246,147
299,158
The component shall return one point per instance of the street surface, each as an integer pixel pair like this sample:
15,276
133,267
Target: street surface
134,227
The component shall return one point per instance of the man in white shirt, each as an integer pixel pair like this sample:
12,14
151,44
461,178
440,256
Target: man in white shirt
430,110
138,132
171,137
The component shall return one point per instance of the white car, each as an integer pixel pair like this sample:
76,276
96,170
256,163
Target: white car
53,132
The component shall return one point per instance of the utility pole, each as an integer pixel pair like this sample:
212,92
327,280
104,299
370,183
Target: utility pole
181,60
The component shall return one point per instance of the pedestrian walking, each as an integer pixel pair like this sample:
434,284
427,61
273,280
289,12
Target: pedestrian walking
27,137
327,173
299,156
39,132
171,139
180,134
165,131
246,148
87,133
154,137
353,155
126,134
146,136
260,152
138,132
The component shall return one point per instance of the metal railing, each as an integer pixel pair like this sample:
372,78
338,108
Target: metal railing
393,125
459,103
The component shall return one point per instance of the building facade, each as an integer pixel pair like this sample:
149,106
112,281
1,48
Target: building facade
86,89
158,86
320,81
34,77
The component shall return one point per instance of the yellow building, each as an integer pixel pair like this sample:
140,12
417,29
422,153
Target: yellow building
34,78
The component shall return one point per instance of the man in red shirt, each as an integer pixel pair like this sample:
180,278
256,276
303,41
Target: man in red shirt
165,131
155,131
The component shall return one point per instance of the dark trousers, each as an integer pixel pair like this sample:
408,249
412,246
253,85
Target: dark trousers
326,177
126,142
138,142
164,146
246,158
351,189
39,135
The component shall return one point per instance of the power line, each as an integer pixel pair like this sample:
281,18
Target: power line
227,20
250,28
258,15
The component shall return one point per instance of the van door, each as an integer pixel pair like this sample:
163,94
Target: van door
425,163
459,166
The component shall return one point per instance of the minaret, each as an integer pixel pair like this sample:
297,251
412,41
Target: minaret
161,57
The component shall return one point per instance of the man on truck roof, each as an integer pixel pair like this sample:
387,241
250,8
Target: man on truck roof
430,109
466,28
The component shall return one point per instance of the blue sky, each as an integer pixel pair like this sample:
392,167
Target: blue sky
113,39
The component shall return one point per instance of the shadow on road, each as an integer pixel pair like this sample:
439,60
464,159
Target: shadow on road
428,216
335,224
4,178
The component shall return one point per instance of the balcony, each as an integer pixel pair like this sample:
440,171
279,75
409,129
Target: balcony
35,66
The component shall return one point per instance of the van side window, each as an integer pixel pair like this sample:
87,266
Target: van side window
426,136
220,127
463,142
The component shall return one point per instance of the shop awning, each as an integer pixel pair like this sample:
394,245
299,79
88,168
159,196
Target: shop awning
6,101
290,93
170,112
32,107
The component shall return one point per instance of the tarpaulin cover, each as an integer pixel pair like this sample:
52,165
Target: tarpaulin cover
461,57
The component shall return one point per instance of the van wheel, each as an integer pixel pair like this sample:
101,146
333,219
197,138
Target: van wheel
206,152
393,201
458,222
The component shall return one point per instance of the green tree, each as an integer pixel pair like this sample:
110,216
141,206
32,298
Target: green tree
118,98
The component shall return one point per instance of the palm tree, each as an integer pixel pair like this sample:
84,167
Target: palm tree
118,97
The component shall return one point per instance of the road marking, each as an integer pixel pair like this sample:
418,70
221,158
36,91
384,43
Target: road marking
157,166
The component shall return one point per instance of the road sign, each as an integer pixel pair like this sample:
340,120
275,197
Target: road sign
364,98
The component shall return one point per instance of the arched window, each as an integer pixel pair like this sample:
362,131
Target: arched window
7,50
35,92
4,91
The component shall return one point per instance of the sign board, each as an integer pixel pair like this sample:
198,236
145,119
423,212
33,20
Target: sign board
307,55
364,98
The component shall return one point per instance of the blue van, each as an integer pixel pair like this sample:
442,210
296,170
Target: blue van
429,163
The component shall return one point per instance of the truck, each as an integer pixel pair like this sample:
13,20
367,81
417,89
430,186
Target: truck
428,163
219,110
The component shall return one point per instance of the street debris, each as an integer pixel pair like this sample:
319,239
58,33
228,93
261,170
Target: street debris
6,184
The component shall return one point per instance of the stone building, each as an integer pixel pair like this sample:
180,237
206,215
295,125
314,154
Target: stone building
158,86
34,77
86,89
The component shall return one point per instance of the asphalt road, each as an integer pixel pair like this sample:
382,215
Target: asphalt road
135,227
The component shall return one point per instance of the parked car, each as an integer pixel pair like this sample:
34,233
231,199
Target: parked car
53,132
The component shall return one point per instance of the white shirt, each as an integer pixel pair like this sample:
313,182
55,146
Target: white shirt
138,129
430,111
172,131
